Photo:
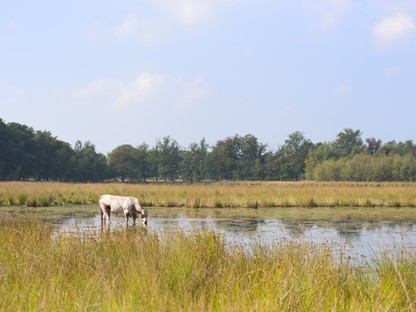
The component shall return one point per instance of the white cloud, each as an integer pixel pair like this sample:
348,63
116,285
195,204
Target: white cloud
392,30
148,89
190,12
330,12
195,12
142,89
166,17
146,30
127,27
394,6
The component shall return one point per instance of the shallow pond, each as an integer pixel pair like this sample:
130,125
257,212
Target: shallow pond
361,233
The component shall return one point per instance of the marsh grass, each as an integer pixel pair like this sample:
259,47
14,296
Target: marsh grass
216,195
136,270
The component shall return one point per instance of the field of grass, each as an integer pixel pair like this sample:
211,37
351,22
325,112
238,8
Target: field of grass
218,195
136,270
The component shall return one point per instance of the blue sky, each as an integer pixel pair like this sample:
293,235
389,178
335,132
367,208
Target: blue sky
132,72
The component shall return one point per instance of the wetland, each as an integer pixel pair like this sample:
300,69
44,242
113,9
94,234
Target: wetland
217,247
360,233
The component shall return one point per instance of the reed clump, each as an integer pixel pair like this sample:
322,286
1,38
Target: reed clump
216,195
137,270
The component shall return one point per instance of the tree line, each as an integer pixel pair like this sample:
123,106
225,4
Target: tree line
27,154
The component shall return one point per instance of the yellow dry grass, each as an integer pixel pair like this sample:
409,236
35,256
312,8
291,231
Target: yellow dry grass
218,195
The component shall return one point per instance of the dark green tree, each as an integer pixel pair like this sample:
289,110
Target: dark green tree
168,158
292,156
271,167
373,145
348,143
251,158
20,155
123,162
194,162
223,159
53,159
90,166
317,155
5,157
143,162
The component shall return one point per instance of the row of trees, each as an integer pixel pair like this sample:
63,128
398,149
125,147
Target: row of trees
349,159
28,154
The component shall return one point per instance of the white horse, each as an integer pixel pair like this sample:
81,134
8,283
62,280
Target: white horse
130,206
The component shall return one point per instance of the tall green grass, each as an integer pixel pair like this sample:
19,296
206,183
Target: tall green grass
216,195
136,270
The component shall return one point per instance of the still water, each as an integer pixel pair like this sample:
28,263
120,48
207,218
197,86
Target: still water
361,233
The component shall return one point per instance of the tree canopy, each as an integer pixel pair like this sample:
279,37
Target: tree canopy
27,154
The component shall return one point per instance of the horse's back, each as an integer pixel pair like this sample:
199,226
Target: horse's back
117,203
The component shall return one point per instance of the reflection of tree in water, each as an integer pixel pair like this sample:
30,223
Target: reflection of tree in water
239,224
348,228
169,222
297,228
205,225
402,225
352,228
349,224
67,217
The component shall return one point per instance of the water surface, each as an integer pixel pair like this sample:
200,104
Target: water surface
361,233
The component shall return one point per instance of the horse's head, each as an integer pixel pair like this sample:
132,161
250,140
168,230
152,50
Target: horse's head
143,216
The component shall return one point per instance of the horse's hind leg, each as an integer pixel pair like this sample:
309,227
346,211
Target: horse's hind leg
108,212
102,216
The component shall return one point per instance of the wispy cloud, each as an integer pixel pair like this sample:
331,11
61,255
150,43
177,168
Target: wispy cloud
395,6
393,30
143,89
127,27
148,89
167,17
146,30
329,13
191,12
196,12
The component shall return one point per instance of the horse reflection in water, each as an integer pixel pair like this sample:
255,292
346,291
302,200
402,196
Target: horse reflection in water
128,205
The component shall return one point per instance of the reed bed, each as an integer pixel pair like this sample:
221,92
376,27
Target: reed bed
216,195
136,270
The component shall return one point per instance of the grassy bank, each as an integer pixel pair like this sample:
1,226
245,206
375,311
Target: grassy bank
218,195
135,271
